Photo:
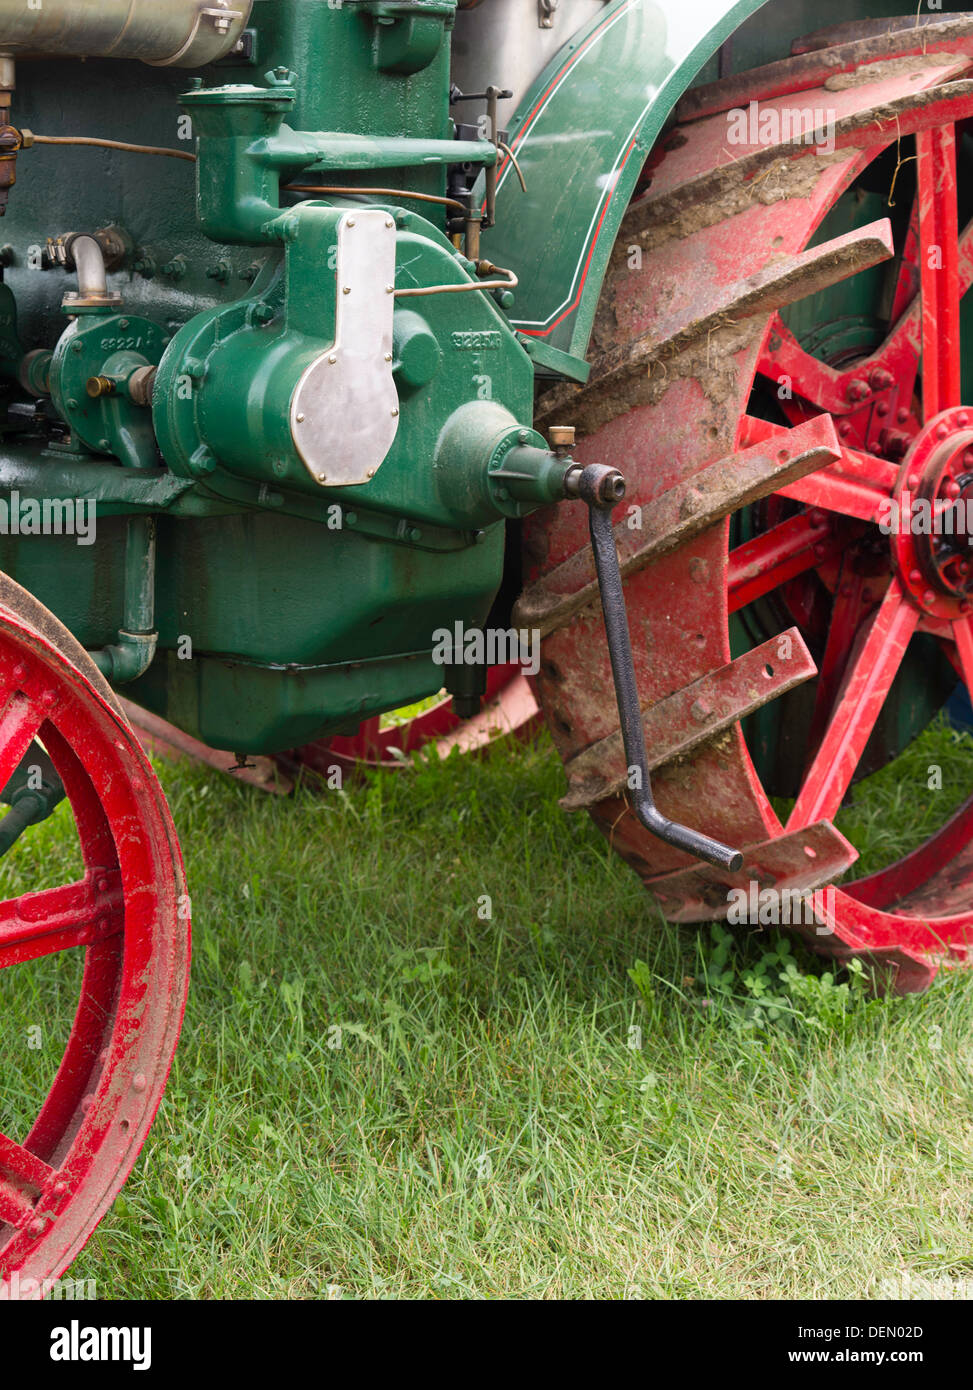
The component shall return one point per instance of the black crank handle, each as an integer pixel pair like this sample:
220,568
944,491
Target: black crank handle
692,841
601,488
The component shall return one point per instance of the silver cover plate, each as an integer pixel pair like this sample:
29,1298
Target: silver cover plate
345,408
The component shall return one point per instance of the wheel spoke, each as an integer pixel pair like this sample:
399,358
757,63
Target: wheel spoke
826,387
847,613
21,1173
786,550
858,485
963,637
809,378
870,674
76,914
939,268
20,721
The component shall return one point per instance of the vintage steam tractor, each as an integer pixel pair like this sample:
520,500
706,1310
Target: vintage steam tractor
327,325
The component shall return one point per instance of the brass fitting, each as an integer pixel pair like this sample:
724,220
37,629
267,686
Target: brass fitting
562,439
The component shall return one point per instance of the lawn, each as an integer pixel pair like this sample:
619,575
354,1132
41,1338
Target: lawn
383,1090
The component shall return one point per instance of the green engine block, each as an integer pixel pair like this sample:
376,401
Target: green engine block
313,395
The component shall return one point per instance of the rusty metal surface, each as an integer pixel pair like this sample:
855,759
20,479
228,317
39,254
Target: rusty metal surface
821,67
799,862
853,29
898,108
685,719
677,516
617,373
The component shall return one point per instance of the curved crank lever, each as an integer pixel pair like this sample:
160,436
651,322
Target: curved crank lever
602,487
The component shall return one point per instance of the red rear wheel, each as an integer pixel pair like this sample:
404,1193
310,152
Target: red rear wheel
65,1154
717,411
509,708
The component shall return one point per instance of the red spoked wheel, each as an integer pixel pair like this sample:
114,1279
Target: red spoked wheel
65,1154
509,708
764,448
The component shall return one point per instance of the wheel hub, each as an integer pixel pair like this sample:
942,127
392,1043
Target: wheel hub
931,522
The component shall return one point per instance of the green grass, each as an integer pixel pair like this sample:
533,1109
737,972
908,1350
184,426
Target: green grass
487,1123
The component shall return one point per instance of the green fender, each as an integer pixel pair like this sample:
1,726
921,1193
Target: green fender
581,137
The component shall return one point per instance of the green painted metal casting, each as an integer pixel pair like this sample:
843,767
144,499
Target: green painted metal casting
328,458
278,607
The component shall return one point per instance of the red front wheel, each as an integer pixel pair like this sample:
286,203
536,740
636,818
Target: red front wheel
66,1148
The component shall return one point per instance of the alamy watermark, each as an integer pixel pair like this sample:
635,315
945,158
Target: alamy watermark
49,516
491,646
922,516
786,125
782,907
17,1289
917,1288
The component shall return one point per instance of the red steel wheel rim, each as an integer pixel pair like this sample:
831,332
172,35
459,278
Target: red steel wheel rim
128,914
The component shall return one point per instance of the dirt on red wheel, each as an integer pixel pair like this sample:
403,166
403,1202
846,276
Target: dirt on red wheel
777,372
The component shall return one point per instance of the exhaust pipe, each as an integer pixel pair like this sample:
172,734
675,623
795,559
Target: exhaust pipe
176,33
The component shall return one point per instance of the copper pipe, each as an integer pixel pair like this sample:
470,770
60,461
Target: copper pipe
377,192
31,139
483,267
